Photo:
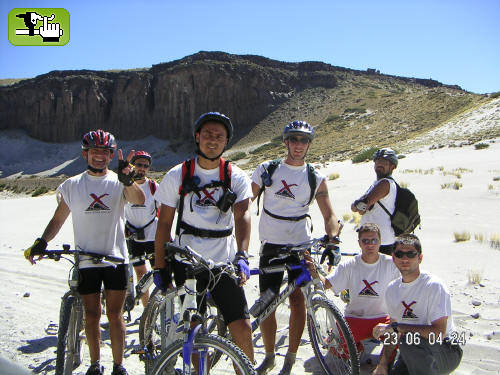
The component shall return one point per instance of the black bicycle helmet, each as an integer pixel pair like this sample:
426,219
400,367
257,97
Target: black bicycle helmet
386,153
98,139
215,117
299,128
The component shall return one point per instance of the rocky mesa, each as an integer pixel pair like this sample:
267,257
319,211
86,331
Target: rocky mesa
162,101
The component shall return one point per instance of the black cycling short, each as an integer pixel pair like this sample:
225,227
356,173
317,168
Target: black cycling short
137,249
114,278
272,280
228,296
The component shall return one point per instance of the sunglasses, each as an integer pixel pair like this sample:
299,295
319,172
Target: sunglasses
140,165
302,140
410,254
369,241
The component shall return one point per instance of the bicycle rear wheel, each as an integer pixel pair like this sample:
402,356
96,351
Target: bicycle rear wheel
205,348
331,338
69,340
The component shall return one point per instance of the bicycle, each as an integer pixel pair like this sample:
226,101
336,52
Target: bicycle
195,347
135,292
330,335
71,317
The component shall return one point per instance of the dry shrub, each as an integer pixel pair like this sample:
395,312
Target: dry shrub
346,217
333,176
452,185
475,276
461,236
495,241
479,237
356,218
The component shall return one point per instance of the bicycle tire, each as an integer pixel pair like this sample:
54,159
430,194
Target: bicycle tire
230,357
68,356
331,338
149,327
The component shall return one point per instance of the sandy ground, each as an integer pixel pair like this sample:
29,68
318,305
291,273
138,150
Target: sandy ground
31,294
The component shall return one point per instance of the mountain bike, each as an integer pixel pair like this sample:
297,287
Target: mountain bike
186,345
71,318
329,333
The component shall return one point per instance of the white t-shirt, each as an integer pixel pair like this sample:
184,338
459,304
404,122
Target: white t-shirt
141,214
201,212
97,210
366,283
378,216
287,196
420,302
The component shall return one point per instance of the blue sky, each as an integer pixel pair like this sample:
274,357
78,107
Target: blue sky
454,42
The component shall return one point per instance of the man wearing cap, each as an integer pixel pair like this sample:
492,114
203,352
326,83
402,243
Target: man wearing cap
381,193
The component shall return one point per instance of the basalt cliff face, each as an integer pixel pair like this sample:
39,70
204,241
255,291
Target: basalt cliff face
163,101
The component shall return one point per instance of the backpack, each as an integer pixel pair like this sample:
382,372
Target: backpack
189,184
405,217
271,168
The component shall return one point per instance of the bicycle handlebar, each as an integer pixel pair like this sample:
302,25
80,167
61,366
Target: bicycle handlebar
191,255
96,257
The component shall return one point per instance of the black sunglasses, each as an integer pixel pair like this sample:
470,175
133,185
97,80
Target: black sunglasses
140,165
368,241
410,254
302,140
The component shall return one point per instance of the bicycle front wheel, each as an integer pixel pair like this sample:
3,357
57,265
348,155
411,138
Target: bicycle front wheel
331,338
205,348
69,340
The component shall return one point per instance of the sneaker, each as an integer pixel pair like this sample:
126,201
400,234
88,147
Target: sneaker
266,366
286,369
119,370
95,369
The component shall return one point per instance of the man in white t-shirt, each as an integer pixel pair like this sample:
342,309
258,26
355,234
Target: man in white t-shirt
380,198
96,200
141,219
366,276
289,186
211,196
419,305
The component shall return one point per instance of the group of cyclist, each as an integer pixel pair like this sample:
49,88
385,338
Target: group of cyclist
212,199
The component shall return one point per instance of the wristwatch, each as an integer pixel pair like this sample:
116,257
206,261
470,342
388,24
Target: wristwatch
394,326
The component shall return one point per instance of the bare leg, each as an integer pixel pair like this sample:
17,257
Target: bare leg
92,309
140,271
268,329
114,311
241,332
297,320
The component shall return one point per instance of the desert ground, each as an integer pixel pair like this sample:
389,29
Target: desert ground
31,294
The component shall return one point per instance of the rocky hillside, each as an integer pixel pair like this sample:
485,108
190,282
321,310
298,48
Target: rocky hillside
165,100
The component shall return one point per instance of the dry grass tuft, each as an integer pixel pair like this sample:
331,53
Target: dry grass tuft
333,176
403,184
452,185
346,218
461,236
495,241
479,237
356,218
475,276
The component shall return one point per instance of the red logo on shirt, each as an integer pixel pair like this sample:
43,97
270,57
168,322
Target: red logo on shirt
208,198
408,313
368,290
97,204
286,191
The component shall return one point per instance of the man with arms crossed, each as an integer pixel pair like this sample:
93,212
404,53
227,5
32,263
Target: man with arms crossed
366,276
382,191
285,221
96,200
419,305
205,225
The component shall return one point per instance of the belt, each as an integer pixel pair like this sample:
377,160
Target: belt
289,218
189,229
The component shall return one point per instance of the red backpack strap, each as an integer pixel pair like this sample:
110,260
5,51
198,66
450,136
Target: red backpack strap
225,173
152,186
187,171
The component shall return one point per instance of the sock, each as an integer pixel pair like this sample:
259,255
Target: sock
270,355
290,357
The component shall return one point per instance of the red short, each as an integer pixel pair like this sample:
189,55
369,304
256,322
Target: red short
362,328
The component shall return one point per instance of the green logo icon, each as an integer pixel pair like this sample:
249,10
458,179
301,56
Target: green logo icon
39,26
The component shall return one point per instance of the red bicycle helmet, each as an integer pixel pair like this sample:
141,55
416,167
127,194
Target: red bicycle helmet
141,154
98,139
